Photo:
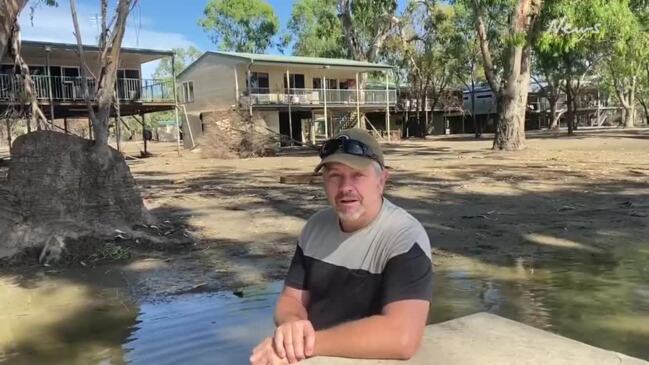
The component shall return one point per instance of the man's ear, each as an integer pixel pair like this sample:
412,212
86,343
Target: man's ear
385,174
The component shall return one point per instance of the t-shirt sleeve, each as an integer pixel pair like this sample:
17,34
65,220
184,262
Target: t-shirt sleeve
296,277
408,276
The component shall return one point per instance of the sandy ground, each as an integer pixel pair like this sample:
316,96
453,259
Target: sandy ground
583,195
587,194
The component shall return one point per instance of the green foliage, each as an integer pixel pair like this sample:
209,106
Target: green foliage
464,48
110,252
423,47
366,26
315,29
562,51
496,15
184,57
369,17
240,25
624,40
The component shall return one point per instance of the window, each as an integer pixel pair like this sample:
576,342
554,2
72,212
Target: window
188,92
297,81
317,83
128,74
259,83
332,84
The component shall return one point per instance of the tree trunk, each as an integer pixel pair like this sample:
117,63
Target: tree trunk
476,127
406,122
109,60
10,46
512,103
512,95
418,118
646,111
628,117
9,11
421,125
554,116
106,88
570,104
510,127
8,124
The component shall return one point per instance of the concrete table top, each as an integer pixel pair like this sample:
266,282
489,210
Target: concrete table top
485,338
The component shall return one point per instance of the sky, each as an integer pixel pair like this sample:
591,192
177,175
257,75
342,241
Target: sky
154,24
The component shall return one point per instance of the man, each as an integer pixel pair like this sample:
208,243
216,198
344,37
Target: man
360,282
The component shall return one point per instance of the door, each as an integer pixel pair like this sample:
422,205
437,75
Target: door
296,119
71,83
128,84
55,77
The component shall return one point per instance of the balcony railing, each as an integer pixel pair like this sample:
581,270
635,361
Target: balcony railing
260,96
66,88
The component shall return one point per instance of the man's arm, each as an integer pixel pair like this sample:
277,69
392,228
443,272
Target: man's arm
394,334
294,337
291,306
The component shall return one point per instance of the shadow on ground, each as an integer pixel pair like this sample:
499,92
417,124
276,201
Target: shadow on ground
518,221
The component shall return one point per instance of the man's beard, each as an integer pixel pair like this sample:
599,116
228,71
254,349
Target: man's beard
350,215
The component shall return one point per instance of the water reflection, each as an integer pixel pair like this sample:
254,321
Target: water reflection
57,321
600,300
203,328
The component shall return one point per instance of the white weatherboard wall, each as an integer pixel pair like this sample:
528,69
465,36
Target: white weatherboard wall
277,74
214,90
213,79
487,339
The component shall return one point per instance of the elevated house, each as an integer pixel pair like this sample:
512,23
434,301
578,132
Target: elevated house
454,110
55,70
594,107
300,98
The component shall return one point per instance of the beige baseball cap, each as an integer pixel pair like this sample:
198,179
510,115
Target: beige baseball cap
354,161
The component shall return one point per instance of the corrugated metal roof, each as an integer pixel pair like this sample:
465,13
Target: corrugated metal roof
318,61
87,47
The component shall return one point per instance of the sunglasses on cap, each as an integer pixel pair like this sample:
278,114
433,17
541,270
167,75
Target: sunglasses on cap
348,146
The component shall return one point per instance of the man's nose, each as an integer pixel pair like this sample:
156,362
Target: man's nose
345,184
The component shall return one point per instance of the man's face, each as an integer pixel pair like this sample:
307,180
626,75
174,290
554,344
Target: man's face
354,194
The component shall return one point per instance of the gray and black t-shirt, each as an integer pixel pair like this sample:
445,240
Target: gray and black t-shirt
353,275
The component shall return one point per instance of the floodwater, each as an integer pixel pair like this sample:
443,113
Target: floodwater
602,300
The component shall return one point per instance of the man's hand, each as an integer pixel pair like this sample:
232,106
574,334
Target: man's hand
295,340
264,354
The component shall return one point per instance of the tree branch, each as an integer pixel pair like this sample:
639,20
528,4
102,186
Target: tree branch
344,7
82,60
484,47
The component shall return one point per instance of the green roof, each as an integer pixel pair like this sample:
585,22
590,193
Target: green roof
317,61
73,47
295,60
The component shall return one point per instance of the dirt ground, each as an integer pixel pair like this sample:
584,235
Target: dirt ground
586,194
